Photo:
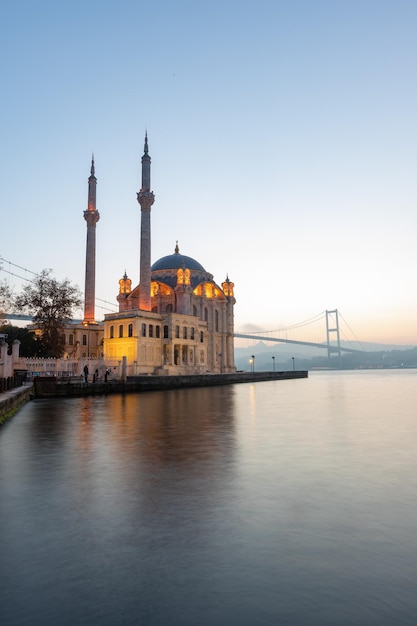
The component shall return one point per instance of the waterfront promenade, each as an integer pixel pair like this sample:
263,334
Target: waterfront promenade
13,399
50,386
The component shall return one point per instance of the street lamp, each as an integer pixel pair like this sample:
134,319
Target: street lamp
253,362
273,363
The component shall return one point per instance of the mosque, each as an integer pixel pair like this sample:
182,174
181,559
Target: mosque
176,321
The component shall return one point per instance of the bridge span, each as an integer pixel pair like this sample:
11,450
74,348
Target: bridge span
301,343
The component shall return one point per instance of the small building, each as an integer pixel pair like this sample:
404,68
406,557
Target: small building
83,340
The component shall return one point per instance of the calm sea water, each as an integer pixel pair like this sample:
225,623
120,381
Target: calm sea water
290,502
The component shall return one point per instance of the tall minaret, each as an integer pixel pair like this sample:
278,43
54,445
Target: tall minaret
146,199
91,216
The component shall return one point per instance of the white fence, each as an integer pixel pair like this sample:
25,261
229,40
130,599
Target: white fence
98,369
74,368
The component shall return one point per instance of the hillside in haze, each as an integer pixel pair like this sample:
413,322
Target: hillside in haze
305,357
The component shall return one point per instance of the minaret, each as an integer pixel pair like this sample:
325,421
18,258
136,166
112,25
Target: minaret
146,199
91,216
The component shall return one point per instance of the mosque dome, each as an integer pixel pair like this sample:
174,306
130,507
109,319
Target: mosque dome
175,261
165,269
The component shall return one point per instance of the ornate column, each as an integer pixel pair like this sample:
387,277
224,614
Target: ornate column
146,199
91,216
228,290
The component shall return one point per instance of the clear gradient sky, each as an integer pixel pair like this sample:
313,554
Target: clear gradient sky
283,143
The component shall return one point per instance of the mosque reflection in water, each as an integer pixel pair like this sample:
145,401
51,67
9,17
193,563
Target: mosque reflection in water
138,454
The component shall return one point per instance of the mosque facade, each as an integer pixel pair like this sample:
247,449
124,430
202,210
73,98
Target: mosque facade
176,321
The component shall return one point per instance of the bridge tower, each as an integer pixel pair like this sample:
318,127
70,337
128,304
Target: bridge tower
146,199
332,327
91,216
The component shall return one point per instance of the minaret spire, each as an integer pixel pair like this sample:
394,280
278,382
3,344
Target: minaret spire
91,216
92,188
146,199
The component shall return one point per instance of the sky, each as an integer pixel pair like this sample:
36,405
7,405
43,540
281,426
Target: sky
283,142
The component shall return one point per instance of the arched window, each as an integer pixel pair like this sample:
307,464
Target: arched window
130,330
206,314
111,332
177,332
121,330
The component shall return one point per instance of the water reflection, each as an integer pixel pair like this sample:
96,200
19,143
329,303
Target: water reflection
275,503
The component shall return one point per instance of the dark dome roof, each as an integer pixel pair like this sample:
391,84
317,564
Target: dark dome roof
175,261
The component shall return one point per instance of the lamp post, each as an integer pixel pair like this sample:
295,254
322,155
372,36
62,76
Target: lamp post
273,363
293,364
253,362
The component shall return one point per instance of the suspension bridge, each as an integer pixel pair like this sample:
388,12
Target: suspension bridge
331,342
330,323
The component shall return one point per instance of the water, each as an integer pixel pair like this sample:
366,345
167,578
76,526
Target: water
289,502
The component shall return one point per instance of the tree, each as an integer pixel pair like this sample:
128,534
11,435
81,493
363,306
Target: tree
29,346
51,303
5,298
